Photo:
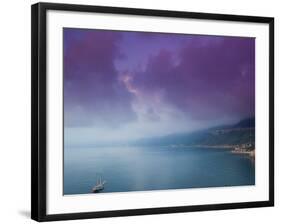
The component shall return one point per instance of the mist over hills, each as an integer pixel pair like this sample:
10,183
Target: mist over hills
235,134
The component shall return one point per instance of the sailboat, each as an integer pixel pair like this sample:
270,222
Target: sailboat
99,185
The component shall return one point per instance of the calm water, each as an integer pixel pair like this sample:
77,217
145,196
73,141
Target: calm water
157,168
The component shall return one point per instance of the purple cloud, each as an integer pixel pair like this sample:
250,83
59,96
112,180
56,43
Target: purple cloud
212,77
114,78
92,92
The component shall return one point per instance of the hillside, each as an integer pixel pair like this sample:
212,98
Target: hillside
236,134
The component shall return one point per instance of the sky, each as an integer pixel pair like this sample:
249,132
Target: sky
121,86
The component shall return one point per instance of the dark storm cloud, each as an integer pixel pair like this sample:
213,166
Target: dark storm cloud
115,78
92,92
212,77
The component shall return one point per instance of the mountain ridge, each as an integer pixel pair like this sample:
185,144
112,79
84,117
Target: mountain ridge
234,134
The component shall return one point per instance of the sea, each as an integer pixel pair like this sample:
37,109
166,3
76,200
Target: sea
127,169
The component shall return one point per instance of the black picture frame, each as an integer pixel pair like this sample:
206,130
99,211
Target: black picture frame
39,122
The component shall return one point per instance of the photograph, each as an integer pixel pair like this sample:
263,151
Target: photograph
139,111
147,111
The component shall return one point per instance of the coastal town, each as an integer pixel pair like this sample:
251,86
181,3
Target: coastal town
248,149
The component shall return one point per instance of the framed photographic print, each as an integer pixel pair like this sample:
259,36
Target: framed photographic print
139,111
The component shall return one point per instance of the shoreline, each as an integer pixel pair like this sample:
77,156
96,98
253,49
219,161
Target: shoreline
215,146
203,146
248,153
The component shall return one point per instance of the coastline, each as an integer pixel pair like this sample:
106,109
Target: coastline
204,146
233,149
248,153
215,146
